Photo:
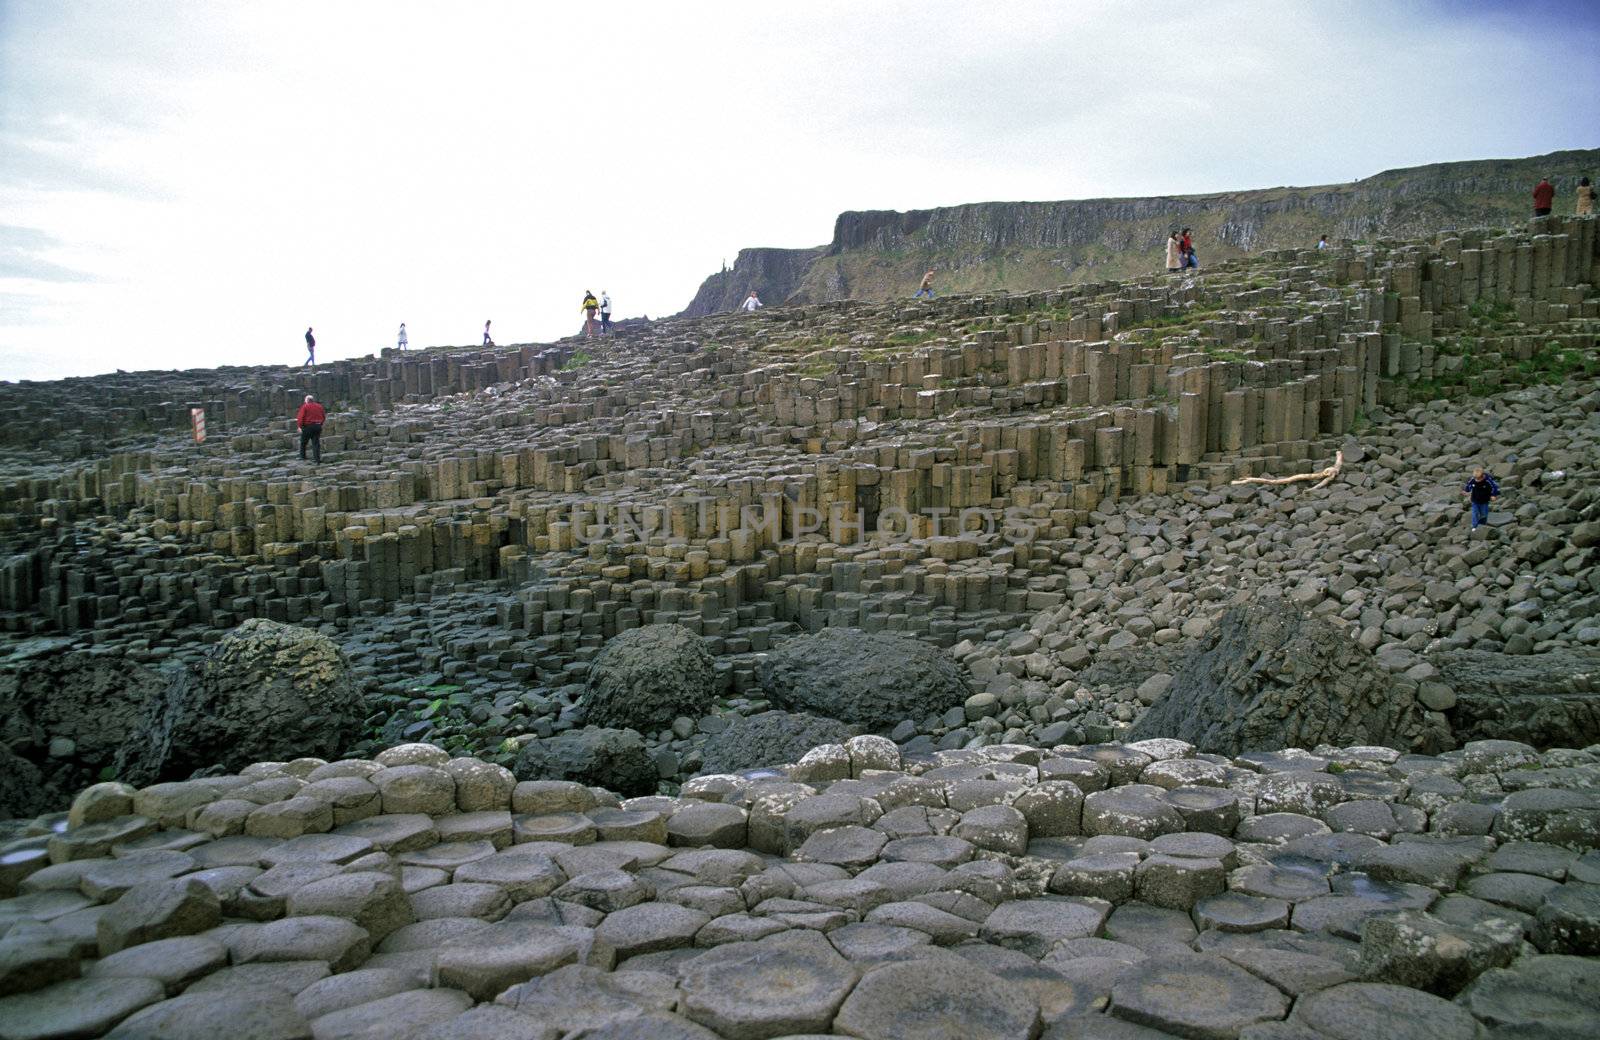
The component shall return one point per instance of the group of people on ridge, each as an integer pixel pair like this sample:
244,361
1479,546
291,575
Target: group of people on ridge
1180,252
1544,198
592,306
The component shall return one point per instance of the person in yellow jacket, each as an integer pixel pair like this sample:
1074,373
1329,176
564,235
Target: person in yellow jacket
1585,198
590,305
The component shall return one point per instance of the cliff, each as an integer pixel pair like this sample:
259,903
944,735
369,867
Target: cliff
881,254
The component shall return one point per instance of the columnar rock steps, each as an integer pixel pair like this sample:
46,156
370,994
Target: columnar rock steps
1138,890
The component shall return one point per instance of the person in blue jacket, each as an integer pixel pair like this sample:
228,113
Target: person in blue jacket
1479,491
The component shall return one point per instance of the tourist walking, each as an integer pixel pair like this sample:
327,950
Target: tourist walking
1187,246
486,340
310,419
1174,253
1322,243
1544,197
926,288
402,338
311,348
751,303
1585,198
590,305
605,312
1479,491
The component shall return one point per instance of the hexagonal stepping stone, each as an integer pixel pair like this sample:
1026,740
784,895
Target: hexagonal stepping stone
998,828
944,998
253,1014
488,961
1195,995
396,833
286,977
175,963
106,881
95,840
1278,828
1130,812
1237,912
1568,921
76,1008
1555,992
942,927
465,899
158,910
630,825
1271,881
1052,808
1153,929
604,890
1532,857
376,1020
1180,772
697,824
737,928
657,1025
1293,972
353,988
650,927
1107,876
1035,925
846,847
866,943
565,828
372,900
1438,863
317,848
1178,882
578,996
1209,810
337,941
524,874
1362,1010
1523,892
490,1022
792,982
941,850
1415,949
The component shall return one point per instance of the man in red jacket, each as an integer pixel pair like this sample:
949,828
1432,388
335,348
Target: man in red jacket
1544,194
310,419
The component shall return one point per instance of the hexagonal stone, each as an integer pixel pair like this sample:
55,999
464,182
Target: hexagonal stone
77,1008
564,828
943,850
1292,972
1306,793
96,839
941,926
944,998
715,824
287,977
158,910
1181,772
490,1022
376,1020
791,982
842,846
462,899
1178,882
289,819
650,927
1278,828
1153,929
336,941
631,825
375,901
1280,882
1052,808
523,873
174,963
1035,925
489,960
394,833
1363,1010
1108,876
351,989
1195,995
1415,949
998,828
1435,862
1130,812
579,997
866,943
605,890
1532,857
1523,892
1544,814
820,812
655,1025
98,803
1553,992
481,786
255,1014
1237,912
1568,921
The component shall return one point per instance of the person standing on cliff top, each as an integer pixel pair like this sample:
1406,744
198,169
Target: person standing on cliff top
1174,253
605,313
590,305
486,340
926,288
311,348
310,419
751,303
402,341
1585,204
1187,246
1544,196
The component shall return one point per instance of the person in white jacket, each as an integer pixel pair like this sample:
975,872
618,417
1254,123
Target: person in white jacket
605,312
401,339
751,302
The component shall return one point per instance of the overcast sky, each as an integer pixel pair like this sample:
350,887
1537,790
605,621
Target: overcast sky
193,183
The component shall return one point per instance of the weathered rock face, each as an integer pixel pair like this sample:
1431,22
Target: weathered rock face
1540,699
23,791
268,691
773,273
611,758
770,738
873,679
70,714
646,677
1268,676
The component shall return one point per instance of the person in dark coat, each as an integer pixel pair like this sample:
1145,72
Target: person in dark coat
1480,490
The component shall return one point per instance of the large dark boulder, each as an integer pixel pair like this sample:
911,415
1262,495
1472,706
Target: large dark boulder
646,677
615,759
1547,700
266,692
68,713
23,790
769,739
1269,676
872,679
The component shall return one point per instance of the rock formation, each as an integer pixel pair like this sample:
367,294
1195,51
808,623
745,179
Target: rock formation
646,677
873,679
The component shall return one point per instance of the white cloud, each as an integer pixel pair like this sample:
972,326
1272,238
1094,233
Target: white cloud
229,173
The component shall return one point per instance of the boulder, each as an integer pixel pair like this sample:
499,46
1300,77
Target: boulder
615,759
872,679
1270,676
266,692
1547,700
769,739
22,787
646,677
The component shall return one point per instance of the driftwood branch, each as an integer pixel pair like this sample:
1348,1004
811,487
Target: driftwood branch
1326,475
